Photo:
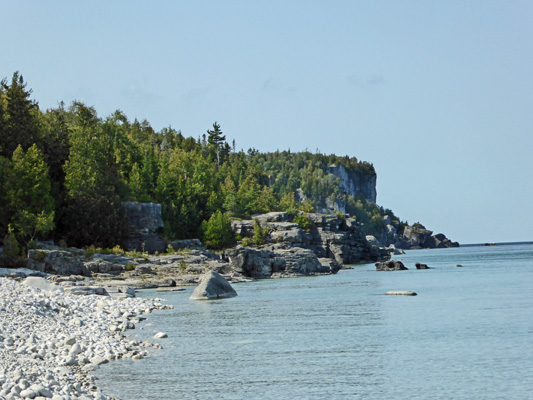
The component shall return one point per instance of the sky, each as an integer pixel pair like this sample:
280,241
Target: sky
437,95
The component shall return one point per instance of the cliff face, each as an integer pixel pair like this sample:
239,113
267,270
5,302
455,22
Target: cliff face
355,184
144,221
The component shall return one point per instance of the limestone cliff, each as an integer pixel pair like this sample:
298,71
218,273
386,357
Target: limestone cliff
355,184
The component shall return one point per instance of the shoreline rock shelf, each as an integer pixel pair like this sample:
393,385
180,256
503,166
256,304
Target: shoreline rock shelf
51,339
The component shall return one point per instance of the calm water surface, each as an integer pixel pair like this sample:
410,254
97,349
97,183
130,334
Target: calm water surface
467,335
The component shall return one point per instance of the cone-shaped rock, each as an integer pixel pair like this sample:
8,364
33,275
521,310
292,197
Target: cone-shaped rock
213,286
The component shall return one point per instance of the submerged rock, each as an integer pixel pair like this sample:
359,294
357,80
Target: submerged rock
400,293
213,286
392,265
421,266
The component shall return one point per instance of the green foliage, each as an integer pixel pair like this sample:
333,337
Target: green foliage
28,194
20,115
260,233
90,251
11,256
93,211
288,204
307,207
217,232
117,250
84,166
303,221
371,215
170,249
246,242
39,255
130,267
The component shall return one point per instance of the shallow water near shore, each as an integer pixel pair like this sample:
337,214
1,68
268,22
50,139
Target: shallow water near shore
468,334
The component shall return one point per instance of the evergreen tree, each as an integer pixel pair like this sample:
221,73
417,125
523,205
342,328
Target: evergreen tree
28,191
216,140
217,232
5,165
93,214
20,125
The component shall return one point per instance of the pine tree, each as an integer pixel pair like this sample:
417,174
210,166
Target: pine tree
20,117
216,140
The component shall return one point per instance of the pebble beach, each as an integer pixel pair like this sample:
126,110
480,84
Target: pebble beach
51,339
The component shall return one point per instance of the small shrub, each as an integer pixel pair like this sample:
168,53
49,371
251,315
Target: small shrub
260,233
307,207
340,215
90,251
304,222
63,244
117,250
130,267
39,256
183,251
183,266
170,249
246,242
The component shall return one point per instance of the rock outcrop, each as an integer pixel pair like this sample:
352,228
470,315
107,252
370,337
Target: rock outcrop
417,236
327,243
144,223
213,286
391,265
55,261
279,261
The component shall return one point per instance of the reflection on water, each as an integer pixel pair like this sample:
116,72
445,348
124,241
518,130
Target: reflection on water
466,335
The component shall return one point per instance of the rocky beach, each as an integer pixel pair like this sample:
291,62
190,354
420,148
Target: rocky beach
50,338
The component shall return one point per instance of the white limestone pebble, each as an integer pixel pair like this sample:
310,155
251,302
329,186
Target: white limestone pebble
47,335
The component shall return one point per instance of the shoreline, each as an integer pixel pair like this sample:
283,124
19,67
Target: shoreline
51,339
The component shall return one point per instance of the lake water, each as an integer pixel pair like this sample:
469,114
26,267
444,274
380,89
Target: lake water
467,335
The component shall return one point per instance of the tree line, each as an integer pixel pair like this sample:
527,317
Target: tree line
65,171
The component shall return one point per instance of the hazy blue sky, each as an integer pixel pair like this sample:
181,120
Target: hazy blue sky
438,95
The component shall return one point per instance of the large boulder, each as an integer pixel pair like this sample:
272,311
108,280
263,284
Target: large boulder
213,286
392,265
256,263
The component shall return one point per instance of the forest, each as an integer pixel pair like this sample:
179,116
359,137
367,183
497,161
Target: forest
64,173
